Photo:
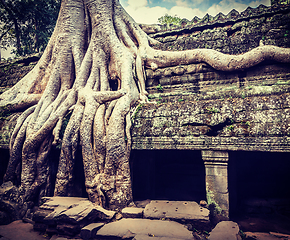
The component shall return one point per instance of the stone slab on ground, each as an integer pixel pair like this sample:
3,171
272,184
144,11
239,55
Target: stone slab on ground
11,203
132,212
142,204
19,230
71,210
68,215
280,235
225,230
266,236
66,229
128,227
57,237
144,237
189,210
90,230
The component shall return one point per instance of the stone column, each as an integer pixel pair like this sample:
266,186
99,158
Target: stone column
216,170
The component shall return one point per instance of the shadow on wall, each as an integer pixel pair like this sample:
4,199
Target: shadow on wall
168,175
259,183
4,158
78,186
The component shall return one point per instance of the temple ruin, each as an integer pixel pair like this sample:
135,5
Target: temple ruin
222,137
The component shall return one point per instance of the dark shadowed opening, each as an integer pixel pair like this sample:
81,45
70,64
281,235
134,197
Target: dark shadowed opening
79,176
4,159
168,174
259,188
78,188
114,85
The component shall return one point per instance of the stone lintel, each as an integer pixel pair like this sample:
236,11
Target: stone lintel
215,157
266,144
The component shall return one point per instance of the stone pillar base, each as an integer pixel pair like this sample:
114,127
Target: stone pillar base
216,170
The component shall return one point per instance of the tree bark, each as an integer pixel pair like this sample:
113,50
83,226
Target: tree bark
94,42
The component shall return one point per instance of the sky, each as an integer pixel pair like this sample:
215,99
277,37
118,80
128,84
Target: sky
148,11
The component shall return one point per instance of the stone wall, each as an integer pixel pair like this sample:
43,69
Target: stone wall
196,107
209,109
13,70
233,33
199,108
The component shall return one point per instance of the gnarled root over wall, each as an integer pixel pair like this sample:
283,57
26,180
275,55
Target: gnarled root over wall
95,43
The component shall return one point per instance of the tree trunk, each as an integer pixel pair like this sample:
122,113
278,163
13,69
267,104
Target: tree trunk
94,42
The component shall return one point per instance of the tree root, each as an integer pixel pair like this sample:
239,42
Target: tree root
217,60
94,42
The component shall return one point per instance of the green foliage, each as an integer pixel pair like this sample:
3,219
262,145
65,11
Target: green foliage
211,110
242,234
167,19
63,127
64,123
27,24
159,88
136,111
5,112
284,1
4,115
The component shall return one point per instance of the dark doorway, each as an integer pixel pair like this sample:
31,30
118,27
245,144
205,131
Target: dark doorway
4,159
168,174
259,188
77,188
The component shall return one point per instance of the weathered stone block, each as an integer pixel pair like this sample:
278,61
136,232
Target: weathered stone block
11,202
41,227
132,212
67,215
40,214
225,230
127,227
90,230
216,163
176,210
164,81
68,229
75,210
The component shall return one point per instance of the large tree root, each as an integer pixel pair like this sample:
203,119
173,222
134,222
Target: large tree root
94,42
